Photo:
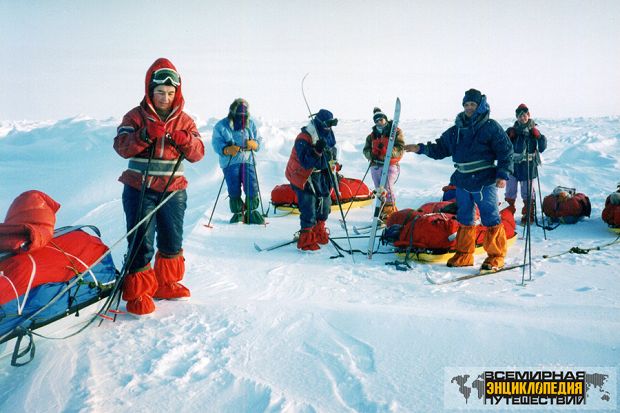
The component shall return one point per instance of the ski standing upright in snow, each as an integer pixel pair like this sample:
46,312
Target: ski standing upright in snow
384,175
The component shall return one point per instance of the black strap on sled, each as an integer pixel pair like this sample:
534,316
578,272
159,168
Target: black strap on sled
29,350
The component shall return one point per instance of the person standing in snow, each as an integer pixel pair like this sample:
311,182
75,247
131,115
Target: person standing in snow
308,169
527,142
475,142
158,130
235,139
375,150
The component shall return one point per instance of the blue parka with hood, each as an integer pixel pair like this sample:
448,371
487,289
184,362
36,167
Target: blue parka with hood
474,139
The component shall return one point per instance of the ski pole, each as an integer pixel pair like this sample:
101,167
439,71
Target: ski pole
527,227
358,189
208,224
260,197
119,284
542,213
329,171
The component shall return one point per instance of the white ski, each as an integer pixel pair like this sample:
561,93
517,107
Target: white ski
384,175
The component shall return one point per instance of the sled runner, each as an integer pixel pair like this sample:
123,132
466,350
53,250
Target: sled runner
353,193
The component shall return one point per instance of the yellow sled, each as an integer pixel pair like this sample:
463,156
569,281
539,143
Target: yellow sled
345,205
615,230
429,257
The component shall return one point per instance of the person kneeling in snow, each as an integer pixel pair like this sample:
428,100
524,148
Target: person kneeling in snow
375,150
235,138
475,142
308,172
153,136
527,142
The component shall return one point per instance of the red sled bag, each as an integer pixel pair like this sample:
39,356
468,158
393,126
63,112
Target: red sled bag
435,231
566,206
611,212
29,222
283,195
352,189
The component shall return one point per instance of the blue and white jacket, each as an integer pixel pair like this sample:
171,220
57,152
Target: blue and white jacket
224,135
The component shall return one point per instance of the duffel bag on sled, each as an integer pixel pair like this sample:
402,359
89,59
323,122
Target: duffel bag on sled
428,234
352,191
566,205
611,212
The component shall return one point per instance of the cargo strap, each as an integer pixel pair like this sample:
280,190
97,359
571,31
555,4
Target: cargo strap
475,166
158,167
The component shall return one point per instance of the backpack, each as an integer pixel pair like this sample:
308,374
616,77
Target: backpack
566,205
611,212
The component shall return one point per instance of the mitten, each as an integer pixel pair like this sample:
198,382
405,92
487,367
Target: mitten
251,145
512,133
535,133
181,137
320,145
231,150
155,129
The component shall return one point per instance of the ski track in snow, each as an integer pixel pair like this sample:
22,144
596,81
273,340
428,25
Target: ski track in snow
285,331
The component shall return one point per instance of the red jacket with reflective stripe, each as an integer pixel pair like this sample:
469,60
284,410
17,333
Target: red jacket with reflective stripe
128,143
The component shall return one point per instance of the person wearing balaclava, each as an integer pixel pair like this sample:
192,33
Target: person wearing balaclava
308,170
527,142
475,143
375,150
152,136
235,139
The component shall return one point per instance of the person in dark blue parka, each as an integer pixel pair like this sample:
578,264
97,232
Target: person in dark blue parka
475,142
527,142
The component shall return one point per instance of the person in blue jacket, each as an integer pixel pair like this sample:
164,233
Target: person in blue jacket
235,139
475,142
527,142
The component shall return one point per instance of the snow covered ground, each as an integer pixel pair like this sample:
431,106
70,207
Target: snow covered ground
286,331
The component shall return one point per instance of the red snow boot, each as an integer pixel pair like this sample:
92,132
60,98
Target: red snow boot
307,241
169,270
321,234
138,290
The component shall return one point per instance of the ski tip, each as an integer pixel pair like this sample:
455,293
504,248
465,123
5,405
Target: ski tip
259,249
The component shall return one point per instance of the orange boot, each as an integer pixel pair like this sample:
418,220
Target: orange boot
169,270
495,246
138,290
307,241
321,234
465,247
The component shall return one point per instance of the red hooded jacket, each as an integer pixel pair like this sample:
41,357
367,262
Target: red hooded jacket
129,144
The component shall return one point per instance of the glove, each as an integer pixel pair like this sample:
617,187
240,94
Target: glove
535,133
251,145
512,133
231,150
320,145
155,129
181,137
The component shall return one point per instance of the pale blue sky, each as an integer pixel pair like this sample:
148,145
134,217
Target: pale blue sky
63,58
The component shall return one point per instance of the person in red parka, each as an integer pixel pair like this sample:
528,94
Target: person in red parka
158,130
